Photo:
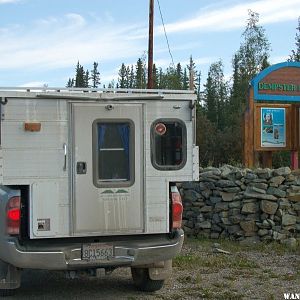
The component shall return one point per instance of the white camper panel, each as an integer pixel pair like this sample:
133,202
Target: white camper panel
41,161
37,159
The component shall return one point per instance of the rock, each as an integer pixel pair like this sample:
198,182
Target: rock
288,220
226,170
215,200
264,173
291,243
260,196
271,222
282,171
259,185
216,218
278,180
209,175
266,224
236,219
248,226
225,183
227,197
221,206
278,236
223,214
225,221
206,193
276,192
233,229
191,195
203,225
249,208
216,228
206,209
251,176
284,204
234,204
296,206
268,207
190,185
262,232
254,189
232,190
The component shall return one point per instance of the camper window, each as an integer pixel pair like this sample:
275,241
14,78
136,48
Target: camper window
168,144
114,148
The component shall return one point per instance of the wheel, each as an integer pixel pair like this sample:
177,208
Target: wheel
143,282
6,292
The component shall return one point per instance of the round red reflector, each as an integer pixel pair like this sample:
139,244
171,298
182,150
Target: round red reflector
160,128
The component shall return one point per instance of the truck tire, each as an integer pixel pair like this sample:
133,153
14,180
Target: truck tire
143,282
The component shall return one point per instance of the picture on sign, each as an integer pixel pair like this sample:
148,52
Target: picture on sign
273,127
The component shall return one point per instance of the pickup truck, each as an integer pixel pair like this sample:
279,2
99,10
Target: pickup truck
88,181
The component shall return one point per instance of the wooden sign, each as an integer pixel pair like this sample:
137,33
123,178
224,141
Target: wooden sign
271,121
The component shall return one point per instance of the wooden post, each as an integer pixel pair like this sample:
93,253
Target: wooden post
267,159
294,160
249,157
150,46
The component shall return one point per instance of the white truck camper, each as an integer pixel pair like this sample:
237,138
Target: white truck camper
88,181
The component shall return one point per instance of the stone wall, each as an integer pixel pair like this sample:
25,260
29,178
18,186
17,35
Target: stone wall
243,204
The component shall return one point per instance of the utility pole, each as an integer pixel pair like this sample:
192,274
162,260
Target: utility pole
150,46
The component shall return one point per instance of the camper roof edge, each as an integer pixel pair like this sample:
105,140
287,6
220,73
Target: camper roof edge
95,94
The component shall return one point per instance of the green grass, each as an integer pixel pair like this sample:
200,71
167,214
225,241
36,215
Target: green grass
233,246
213,261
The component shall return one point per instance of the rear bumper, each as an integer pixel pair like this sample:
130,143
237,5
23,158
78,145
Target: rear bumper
67,257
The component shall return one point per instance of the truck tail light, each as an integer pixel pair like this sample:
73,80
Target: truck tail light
177,208
13,216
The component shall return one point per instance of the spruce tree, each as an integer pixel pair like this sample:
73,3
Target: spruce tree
140,75
86,79
131,78
155,77
123,77
215,95
185,80
295,56
79,76
70,83
95,75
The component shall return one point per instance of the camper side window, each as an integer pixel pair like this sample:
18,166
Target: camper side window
114,148
168,144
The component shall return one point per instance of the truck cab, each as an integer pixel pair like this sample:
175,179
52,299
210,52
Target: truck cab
88,181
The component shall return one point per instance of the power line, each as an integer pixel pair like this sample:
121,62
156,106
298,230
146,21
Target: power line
163,23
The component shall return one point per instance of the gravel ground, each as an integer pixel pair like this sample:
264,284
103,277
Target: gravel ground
245,272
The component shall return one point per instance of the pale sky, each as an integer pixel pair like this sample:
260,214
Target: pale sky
42,40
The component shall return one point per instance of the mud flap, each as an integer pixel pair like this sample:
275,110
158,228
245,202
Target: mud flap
161,270
10,276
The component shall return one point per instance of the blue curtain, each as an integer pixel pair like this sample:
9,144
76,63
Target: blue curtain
101,133
123,130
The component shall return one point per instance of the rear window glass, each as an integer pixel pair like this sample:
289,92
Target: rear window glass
113,153
168,144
